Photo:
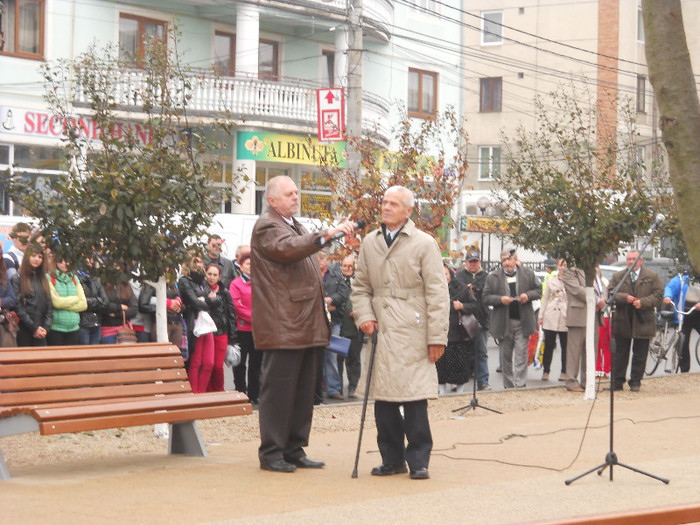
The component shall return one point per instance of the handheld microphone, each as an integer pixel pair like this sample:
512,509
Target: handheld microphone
358,226
659,219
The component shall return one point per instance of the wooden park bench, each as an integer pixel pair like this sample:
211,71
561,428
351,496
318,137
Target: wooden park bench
64,389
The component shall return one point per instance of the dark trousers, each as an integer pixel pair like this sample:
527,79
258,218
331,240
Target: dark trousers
353,361
640,349
393,430
251,386
55,338
286,402
550,343
26,338
691,322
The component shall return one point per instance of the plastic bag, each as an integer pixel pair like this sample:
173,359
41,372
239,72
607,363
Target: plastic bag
233,356
203,325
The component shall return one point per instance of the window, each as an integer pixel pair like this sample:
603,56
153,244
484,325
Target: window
641,94
489,162
327,68
268,65
641,161
491,94
640,25
22,27
426,5
491,27
422,91
134,31
225,53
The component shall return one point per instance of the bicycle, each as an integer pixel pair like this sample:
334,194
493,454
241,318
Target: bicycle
669,338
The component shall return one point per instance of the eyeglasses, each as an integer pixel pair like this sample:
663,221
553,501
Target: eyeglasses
23,239
506,258
346,266
216,245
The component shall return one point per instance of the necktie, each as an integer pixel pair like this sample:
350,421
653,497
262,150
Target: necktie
633,276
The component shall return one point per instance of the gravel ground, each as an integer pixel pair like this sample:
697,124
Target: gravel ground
32,449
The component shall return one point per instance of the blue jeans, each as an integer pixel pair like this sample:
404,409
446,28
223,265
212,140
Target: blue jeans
330,368
109,340
90,336
480,342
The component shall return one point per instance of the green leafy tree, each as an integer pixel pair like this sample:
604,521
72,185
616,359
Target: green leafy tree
430,161
138,195
675,89
570,190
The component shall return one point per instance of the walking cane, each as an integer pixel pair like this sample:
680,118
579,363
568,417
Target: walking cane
364,403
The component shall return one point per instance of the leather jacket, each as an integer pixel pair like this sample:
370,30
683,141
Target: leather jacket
34,309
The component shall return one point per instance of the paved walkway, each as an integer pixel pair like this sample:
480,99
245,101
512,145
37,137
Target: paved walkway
486,468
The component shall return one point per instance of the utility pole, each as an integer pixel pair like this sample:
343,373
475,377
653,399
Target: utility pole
354,98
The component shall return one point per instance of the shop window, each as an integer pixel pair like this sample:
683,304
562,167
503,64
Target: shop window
22,28
134,32
315,195
641,94
262,176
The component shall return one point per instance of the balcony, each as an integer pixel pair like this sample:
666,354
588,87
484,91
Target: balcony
257,102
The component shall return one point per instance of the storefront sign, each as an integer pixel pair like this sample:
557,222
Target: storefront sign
44,124
487,225
291,149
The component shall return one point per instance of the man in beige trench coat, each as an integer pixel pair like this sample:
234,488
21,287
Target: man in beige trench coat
400,290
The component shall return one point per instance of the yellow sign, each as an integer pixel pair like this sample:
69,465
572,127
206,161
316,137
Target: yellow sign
487,225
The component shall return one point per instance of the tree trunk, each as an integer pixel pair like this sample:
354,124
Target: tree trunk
161,324
671,76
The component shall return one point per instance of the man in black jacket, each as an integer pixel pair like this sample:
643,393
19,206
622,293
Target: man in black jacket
474,276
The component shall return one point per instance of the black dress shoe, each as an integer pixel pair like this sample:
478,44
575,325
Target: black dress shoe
305,462
389,470
278,465
634,388
420,473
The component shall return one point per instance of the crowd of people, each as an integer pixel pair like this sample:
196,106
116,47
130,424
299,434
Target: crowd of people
281,300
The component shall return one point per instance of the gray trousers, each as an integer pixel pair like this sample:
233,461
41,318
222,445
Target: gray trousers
575,360
514,354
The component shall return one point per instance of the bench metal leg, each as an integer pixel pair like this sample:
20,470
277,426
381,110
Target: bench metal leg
185,439
4,473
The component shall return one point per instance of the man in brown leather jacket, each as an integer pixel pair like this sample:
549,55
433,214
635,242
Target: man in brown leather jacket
290,325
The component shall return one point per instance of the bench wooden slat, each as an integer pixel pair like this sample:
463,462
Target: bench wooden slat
90,365
27,384
44,414
105,392
149,418
66,353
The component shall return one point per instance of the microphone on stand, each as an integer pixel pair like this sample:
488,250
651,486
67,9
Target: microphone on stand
659,219
358,226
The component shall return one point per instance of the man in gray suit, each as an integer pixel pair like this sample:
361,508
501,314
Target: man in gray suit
575,285
511,290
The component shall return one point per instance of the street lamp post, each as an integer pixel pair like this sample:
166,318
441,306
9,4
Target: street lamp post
483,203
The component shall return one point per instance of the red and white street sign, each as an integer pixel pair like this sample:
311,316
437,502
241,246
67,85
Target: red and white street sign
331,114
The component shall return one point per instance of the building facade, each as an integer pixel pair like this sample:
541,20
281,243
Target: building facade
272,55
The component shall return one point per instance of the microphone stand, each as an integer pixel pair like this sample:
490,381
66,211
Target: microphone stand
474,403
611,457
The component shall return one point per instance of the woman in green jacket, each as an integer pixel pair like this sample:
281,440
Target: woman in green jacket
68,298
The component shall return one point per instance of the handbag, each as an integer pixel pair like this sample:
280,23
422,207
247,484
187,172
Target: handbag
339,345
469,325
204,325
126,335
9,324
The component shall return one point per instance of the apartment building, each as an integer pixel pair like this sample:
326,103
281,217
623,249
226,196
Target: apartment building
273,56
514,51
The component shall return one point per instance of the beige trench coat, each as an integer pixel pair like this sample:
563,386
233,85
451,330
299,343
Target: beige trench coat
404,289
553,305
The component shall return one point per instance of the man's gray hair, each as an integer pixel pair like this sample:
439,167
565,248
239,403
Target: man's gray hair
406,195
273,185
508,252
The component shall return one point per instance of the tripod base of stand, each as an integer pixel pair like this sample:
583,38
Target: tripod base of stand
611,461
473,405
